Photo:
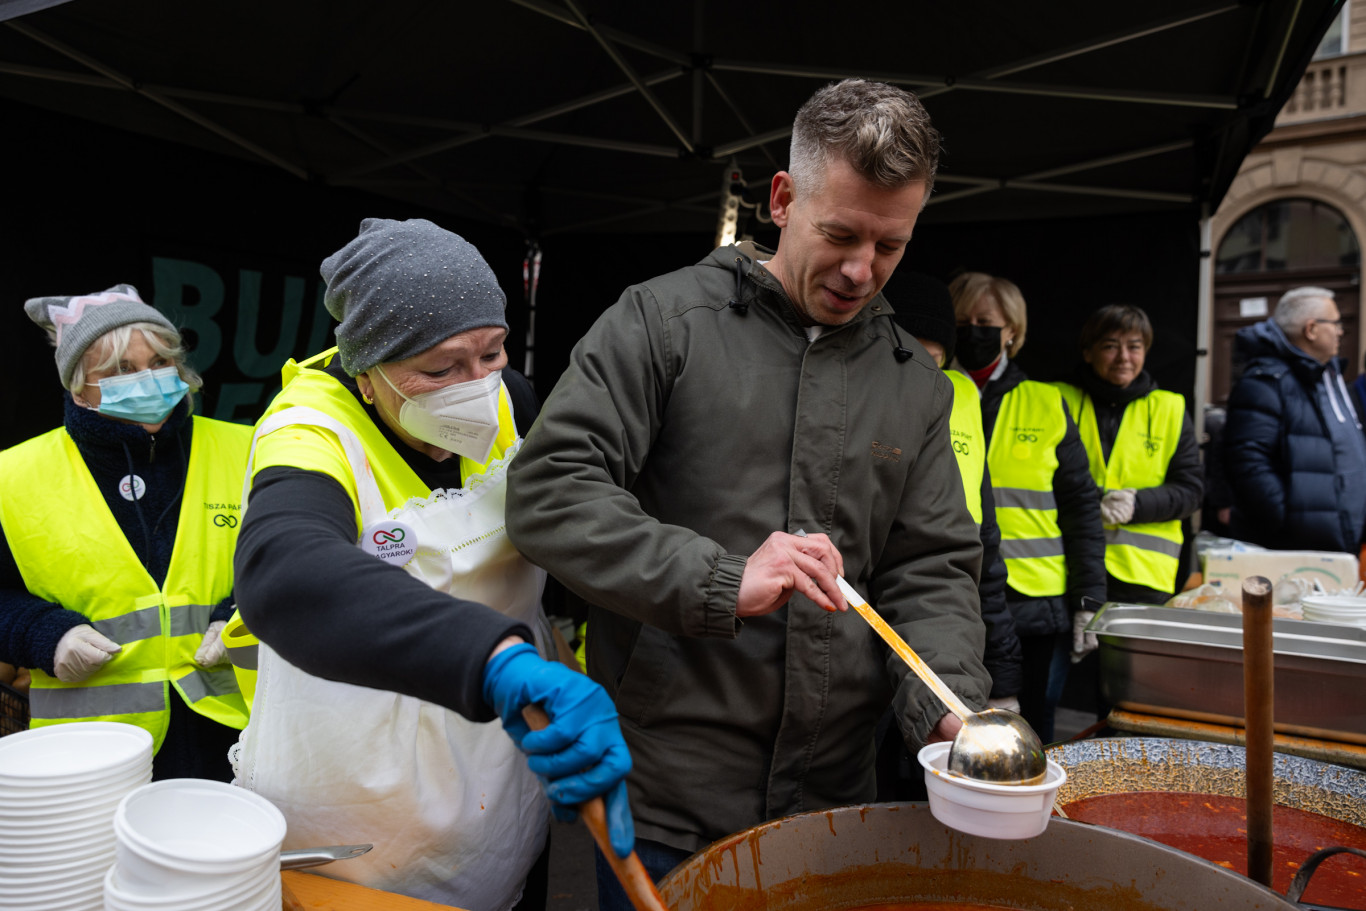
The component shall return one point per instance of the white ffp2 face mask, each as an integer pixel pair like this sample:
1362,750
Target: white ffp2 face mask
461,418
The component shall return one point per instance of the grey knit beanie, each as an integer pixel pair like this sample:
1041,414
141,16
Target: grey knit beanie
77,321
403,286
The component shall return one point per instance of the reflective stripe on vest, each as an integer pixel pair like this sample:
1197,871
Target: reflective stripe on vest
303,384
1023,457
242,649
969,442
70,551
1144,553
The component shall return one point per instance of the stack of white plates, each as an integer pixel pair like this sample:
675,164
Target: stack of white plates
1344,610
59,788
191,843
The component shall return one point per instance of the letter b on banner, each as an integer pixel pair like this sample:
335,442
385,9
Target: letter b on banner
191,294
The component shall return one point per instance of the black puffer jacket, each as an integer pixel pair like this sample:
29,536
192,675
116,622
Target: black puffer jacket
1078,517
1292,489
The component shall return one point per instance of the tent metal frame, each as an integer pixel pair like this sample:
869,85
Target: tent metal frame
705,72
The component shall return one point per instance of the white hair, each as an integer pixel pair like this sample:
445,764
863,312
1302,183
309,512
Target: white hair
106,351
1297,307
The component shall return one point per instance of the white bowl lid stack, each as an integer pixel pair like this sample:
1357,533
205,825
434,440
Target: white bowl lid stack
1345,608
59,788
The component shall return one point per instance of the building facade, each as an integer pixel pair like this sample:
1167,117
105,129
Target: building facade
1296,213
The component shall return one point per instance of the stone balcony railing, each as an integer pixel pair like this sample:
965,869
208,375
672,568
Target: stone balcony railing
1330,88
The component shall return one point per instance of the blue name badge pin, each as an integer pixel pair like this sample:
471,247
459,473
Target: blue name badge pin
392,541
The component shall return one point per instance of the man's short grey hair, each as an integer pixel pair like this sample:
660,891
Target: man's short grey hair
883,132
1297,307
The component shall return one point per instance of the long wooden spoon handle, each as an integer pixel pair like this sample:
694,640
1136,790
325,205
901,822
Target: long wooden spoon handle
898,645
640,889
1259,714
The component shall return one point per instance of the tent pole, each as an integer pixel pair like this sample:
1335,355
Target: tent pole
1205,319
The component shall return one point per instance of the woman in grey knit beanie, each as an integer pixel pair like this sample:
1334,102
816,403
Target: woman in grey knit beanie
375,564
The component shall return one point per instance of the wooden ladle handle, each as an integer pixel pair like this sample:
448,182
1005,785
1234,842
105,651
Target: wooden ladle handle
640,889
1259,719
906,653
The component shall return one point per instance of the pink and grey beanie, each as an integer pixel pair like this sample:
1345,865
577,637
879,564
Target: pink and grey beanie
77,321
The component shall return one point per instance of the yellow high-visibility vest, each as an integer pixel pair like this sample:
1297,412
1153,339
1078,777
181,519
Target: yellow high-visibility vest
318,449
1143,553
1023,457
71,551
969,440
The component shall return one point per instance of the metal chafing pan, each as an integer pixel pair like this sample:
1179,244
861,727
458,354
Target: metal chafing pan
1188,663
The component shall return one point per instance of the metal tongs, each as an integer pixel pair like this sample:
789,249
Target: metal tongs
300,858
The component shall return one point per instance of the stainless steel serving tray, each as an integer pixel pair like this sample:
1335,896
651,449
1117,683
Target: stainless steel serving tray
1189,664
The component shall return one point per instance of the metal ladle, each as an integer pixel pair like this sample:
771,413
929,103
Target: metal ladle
995,745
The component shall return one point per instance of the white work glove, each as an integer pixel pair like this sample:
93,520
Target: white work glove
1117,506
82,651
1083,643
1008,703
212,652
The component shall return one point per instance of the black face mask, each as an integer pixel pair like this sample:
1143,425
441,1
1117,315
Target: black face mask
978,346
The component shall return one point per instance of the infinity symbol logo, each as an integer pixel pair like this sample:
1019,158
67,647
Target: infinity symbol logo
388,537
222,520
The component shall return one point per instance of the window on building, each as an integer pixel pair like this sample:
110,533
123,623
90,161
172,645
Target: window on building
1288,234
1334,43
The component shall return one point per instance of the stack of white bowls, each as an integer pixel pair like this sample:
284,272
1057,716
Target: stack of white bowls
1344,610
191,843
59,788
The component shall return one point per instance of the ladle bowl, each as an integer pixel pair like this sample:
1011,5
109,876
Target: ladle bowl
999,747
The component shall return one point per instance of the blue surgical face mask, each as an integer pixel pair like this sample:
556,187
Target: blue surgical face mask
145,397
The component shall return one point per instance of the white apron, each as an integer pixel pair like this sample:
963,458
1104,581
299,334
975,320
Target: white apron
455,815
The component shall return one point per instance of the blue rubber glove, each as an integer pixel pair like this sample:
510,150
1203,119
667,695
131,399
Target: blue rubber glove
581,754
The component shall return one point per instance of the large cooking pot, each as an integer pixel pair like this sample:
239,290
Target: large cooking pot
900,854
1113,765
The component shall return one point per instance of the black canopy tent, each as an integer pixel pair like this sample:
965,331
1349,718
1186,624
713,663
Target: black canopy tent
567,122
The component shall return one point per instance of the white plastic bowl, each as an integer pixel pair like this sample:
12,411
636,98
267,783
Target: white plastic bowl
200,825
983,808
31,794
1343,611
26,812
70,820
65,899
21,872
81,751
70,847
56,890
99,831
225,893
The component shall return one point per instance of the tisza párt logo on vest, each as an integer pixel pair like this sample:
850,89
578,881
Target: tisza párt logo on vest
1022,440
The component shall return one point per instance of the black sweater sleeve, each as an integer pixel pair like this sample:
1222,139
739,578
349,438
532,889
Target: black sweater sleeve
1083,535
327,607
1003,656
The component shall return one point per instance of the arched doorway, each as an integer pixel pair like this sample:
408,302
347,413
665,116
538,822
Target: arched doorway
1281,245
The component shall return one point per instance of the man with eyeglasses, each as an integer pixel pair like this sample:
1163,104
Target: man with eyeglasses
1294,450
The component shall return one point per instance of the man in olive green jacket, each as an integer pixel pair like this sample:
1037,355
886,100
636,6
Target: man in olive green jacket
708,417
